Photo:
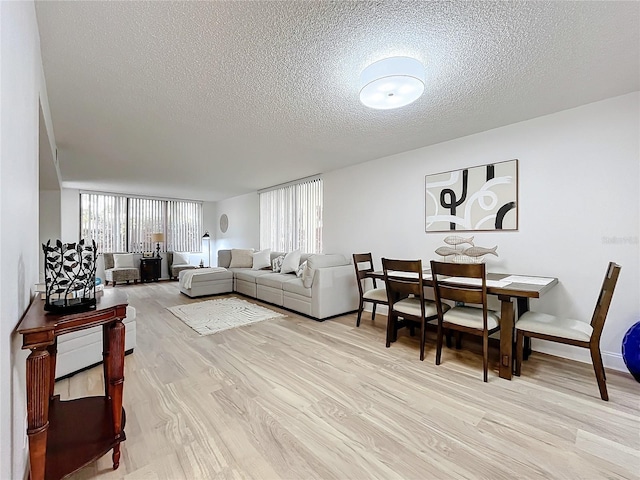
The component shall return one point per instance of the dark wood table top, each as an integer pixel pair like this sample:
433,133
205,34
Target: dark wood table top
36,322
513,289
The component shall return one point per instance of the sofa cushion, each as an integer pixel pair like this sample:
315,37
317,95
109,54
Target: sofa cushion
275,280
295,285
307,275
123,260
276,263
291,262
241,258
262,259
224,258
249,275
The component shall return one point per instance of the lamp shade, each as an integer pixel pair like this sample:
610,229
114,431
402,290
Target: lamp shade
392,83
157,237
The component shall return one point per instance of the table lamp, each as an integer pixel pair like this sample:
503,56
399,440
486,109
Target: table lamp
157,237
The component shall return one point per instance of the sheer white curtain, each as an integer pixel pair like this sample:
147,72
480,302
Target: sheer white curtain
291,217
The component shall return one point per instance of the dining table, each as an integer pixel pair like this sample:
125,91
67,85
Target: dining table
507,288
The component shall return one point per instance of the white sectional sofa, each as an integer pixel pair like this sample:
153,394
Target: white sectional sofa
332,290
82,349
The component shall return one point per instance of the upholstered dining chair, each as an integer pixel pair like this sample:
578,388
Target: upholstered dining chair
363,263
405,293
572,332
476,319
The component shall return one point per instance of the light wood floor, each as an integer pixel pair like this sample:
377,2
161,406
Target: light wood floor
293,398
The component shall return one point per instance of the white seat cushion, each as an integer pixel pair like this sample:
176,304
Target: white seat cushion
472,317
377,294
411,306
558,327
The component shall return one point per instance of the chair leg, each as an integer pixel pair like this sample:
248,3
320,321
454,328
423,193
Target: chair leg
519,347
527,348
423,332
373,312
106,283
485,354
596,357
114,283
439,343
134,282
458,340
360,307
391,320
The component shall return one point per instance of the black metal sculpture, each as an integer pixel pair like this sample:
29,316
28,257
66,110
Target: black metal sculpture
70,276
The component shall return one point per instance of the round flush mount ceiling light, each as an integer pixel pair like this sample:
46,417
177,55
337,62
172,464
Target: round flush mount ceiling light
392,83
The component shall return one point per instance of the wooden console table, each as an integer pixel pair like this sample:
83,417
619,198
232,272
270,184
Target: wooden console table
64,436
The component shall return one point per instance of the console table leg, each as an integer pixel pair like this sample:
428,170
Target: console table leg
38,385
53,355
116,381
106,360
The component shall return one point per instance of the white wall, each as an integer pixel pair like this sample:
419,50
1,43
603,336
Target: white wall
578,206
244,223
49,223
22,89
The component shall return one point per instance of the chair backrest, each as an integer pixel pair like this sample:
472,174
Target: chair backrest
403,278
363,263
604,300
108,260
475,292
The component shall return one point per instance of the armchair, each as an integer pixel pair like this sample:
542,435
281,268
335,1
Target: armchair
120,273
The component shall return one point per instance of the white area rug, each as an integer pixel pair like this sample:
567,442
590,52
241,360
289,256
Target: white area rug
215,316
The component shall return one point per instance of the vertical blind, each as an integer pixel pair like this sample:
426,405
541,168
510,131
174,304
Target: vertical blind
125,224
291,217
184,226
103,218
146,216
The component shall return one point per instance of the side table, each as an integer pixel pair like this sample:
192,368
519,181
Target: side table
64,436
150,269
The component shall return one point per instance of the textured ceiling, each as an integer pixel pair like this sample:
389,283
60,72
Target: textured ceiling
207,100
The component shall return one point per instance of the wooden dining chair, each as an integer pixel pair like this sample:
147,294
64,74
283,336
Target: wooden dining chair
405,293
476,319
363,263
572,332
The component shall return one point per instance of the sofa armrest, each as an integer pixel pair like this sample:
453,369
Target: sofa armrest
334,291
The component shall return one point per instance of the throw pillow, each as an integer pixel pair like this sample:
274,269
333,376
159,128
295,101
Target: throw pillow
262,259
241,258
291,262
300,269
276,264
180,258
307,276
123,260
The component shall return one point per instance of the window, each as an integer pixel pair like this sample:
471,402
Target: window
125,224
291,217
103,218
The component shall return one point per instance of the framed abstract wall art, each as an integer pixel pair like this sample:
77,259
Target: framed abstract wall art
475,198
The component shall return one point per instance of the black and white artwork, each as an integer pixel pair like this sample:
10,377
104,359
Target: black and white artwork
475,198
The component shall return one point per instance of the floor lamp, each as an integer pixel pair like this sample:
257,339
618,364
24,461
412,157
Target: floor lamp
207,238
